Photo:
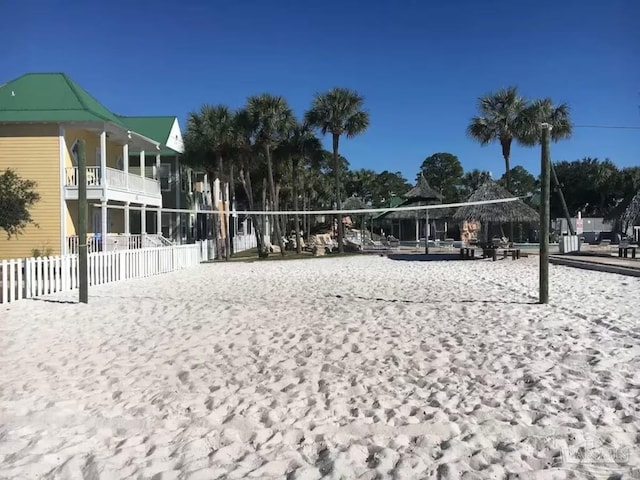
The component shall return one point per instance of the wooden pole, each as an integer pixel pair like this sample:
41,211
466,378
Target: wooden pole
545,219
562,200
83,280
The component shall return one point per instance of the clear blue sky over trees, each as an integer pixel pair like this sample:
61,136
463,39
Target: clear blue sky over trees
420,65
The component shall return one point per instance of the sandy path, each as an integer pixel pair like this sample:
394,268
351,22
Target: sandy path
362,367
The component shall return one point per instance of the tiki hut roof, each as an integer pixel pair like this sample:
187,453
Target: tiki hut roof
434,214
423,191
516,211
353,203
421,194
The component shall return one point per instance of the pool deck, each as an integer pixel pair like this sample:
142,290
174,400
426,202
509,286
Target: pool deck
601,263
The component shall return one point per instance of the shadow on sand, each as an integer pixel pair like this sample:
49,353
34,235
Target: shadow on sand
422,257
47,300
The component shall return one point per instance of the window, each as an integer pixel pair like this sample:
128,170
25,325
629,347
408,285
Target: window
165,177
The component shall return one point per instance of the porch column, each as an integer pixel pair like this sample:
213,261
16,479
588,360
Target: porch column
159,221
143,220
125,158
103,162
125,163
127,217
142,166
157,167
105,229
417,232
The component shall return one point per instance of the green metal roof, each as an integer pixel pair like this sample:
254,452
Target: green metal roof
50,97
155,128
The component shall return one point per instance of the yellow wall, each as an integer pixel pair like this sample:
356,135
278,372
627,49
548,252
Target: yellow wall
92,146
71,217
32,151
92,141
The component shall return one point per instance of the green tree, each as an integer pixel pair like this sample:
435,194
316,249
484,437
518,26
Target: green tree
471,181
544,111
389,185
339,111
443,172
501,120
301,144
589,185
523,184
272,118
207,140
17,196
362,184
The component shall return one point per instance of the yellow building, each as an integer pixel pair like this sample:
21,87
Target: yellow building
42,118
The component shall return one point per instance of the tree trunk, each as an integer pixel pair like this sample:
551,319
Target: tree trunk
245,179
506,153
226,220
232,200
277,206
294,182
272,187
214,200
336,165
265,218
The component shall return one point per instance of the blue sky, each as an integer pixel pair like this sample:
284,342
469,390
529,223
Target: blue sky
420,65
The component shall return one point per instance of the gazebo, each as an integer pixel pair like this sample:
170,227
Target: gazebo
486,214
414,222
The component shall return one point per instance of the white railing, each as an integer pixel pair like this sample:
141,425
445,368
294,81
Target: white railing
150,186
94,179
118,241
33,277
116,179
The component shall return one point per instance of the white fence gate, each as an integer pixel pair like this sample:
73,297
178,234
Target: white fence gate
33,277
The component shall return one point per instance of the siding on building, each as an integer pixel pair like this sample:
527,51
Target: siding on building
33,152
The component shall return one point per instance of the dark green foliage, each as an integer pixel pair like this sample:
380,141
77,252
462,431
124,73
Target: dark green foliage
17,196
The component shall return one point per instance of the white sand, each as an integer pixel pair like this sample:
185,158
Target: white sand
362,367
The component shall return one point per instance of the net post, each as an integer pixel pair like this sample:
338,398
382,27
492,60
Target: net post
545,177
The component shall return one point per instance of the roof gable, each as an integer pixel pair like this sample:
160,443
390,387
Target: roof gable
50,97
164,130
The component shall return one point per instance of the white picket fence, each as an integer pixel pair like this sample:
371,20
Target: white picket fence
33,277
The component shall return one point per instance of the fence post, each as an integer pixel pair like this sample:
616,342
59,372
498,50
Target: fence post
5,294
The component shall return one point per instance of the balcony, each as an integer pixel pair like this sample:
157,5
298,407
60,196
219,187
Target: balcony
116,184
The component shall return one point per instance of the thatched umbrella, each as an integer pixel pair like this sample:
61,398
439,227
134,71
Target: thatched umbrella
516,211
420,195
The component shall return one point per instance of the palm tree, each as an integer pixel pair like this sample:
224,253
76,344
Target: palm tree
544,111
501,120
300,145
339,112
271,117
206,141
243,151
